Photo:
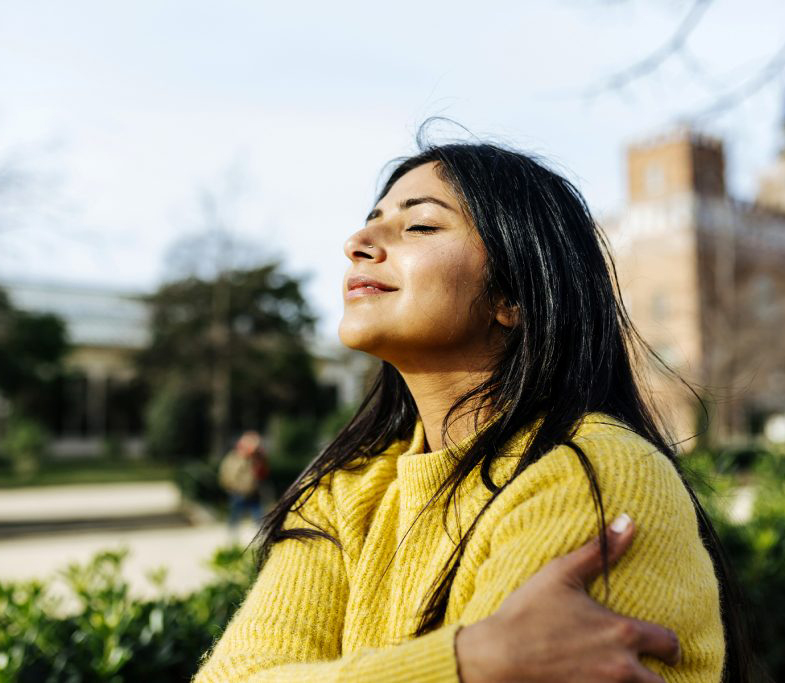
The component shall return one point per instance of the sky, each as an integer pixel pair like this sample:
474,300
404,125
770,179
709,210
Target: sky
118,119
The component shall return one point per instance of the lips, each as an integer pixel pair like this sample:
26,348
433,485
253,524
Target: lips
364,282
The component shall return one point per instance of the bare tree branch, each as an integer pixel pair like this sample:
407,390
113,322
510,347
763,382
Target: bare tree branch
726,97
654,60
691,63
773,68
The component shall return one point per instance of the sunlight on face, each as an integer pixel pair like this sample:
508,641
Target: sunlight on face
416,271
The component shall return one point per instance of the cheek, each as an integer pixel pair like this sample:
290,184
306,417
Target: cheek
446,281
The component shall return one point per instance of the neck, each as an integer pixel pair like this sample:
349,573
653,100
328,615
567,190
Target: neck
434,391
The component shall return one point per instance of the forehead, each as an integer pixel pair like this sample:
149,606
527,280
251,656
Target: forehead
422,180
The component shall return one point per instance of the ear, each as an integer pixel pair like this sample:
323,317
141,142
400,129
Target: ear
506,315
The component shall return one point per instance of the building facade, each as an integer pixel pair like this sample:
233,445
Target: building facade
703,277
99,402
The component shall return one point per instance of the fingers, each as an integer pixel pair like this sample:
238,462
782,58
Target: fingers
654,640
631,638
646,676
584,564
626,667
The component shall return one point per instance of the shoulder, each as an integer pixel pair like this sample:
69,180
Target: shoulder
620,457
667,576
554,502
608,438
632,476
630,470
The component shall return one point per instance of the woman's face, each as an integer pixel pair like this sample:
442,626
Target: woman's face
424,254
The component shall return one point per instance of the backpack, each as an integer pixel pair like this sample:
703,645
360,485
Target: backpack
236,474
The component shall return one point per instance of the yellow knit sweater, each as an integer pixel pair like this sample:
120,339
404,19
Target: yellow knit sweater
318,614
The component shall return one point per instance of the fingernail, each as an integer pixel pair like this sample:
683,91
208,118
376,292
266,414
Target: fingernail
620,524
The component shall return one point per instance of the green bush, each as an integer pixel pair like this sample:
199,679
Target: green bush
175,424
334,422
754,547
108,636
295,437
198,481
24,446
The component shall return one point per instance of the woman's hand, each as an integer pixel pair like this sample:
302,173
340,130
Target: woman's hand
550,631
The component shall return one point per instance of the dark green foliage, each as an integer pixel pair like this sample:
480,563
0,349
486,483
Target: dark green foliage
176,423
266,317
198,481
297,437
106,635
336,421
233,343
23,446
32,348
754,547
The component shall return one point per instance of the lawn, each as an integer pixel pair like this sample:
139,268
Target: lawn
89,471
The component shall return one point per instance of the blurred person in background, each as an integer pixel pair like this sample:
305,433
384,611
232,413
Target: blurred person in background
243,474
455,529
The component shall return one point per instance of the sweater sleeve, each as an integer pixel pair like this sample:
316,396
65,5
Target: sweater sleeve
666,577
290,624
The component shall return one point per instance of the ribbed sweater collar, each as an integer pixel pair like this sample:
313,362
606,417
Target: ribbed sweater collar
420,474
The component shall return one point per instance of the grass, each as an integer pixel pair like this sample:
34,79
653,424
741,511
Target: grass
89,471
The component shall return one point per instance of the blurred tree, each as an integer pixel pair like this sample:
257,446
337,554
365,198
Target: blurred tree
247,352
175,420
32,349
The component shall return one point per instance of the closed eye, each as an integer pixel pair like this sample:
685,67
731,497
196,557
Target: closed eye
421,228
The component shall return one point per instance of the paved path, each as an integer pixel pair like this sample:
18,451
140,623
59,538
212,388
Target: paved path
88,500
182,551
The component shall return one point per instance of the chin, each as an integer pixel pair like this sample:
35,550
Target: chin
359,337
352,336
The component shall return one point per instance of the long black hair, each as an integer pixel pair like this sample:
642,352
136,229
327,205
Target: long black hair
572,351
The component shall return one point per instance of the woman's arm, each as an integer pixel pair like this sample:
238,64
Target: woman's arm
525,640
666,577
551,613
567,635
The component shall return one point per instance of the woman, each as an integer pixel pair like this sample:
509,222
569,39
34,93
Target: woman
504,428
242,474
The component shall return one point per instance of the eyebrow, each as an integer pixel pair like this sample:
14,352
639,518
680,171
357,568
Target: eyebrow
409,203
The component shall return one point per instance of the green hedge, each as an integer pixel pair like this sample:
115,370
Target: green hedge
755,547
108,636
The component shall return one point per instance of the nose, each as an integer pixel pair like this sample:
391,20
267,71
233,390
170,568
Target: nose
365,244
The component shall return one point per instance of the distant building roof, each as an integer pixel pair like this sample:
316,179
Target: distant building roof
94,316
